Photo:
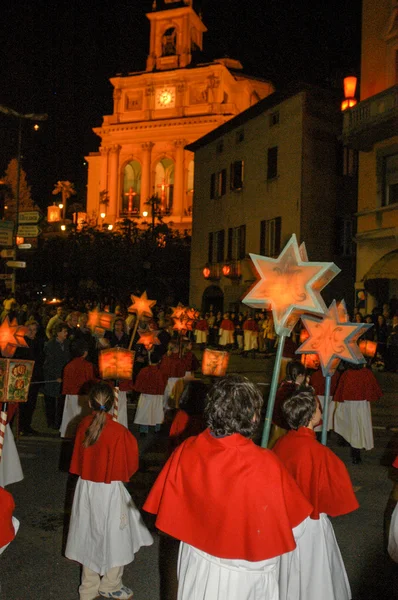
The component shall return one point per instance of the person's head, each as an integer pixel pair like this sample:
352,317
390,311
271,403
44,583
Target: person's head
233,406
32,329
72,319
83,320
60,312
358,317
79,348
301,410
60,331
100,399
118,325
193,398
368,319
381,320
295,371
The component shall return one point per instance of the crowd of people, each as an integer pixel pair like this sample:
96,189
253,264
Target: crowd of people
252,523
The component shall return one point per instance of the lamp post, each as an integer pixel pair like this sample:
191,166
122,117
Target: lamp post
21,117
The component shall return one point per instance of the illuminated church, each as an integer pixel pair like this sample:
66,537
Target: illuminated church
157,113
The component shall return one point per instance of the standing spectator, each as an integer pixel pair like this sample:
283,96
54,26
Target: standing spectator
250,332
9,305
57,355
118,337
72,321
260,324
239,332
201,331
57,318
84,334
392,346
269,333
211,321
381,336
225,332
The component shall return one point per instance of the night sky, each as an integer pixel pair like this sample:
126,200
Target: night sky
57,57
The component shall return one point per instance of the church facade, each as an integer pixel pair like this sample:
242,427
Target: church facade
156,114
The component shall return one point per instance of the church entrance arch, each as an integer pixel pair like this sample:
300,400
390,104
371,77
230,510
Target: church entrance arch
164,184
213,299
131,195
381,281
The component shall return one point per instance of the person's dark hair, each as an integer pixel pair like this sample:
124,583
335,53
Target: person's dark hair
293,369
233,406
101,400
193,398
59,327
299,409
78,348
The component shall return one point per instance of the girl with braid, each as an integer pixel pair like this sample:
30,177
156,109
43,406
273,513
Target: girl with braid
106,529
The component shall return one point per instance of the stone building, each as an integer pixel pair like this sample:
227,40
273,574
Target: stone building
157,112
276,169
371,127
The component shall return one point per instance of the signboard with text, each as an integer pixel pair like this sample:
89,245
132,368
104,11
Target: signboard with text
6,233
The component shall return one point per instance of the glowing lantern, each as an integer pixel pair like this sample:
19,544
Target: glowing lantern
206,272
310,361
226,270
333,339
53,214
19,240
116,363
215,362
368,348
141,305
149,339
290,285
99,322
15,376
350,84
304,335
11,336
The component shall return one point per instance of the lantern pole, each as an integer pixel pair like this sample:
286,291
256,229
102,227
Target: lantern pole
272,392
326,411
134,331
3,423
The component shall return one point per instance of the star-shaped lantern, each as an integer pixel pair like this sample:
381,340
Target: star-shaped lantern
333,338
184,318
149,339
141,305
290,285
11,337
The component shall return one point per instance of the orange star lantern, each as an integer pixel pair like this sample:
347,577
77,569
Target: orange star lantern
141,305
333,338
149,339
290,285
11,336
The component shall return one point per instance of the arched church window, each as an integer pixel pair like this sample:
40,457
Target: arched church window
130,204
169,42
164,184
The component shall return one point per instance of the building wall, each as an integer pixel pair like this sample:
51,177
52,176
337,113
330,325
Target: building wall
374,72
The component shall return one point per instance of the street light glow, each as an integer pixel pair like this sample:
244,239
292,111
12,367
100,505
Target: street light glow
63,227
145,214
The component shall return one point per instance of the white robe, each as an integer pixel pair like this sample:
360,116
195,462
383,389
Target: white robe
106,529
16,524
149,410
205,577
10,464
315,569
250,340
353,421
75,408
226,337
393,535
201,336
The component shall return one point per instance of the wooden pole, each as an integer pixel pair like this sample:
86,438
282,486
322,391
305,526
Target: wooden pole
272,392
326,411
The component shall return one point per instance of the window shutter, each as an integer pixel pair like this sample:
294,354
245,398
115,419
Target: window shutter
212,186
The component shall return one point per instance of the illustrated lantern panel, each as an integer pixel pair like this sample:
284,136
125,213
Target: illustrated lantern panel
15,376
215,362
53,214
116,363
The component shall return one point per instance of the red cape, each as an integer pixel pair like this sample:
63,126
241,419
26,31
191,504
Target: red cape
250,325
150,380
7,505
228,497
357,384
190,361
395,463
202,325
227,325
114,457
318,382
319,473
76,376
172,366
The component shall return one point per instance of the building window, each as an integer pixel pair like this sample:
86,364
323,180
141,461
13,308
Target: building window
220,147
345,235
390,195
350,162
221,183
272,162
270,237
212,186
241,241
274,119
240,136
219,244
210,248
236,243
237,174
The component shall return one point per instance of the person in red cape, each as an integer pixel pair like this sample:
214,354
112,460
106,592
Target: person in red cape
250,336
190,360
189,419
76,379
8,524
226,332
201,331
232,504
356,389
171,364
317,381
393,529
150,384
10,464
106,529
315,569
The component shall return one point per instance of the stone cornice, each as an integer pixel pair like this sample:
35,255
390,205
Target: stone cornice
161,124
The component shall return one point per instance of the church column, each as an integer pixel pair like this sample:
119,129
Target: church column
179,172
104,151
113,182
146,174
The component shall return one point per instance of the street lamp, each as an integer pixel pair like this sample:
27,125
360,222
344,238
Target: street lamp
21,117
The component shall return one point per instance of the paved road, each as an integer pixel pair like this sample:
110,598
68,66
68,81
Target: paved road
34,567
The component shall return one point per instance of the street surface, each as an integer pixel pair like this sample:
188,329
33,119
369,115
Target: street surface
33,567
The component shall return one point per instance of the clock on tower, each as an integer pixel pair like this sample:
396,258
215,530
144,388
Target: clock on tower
165,97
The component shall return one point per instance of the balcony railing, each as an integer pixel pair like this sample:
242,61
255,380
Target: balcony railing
372,120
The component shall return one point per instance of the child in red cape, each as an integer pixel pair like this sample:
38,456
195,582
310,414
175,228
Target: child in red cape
150,383
106,529
315,569
8,524
189,419
232,504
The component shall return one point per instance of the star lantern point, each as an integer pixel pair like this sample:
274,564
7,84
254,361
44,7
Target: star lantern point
11,337
142,305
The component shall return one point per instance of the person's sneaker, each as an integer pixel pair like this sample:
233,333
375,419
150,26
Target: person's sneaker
123,594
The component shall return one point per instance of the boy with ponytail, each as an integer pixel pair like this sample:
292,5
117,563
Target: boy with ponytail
106,529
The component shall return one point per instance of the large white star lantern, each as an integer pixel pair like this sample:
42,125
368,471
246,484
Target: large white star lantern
290,285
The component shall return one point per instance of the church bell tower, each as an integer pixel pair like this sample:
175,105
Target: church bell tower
176,32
